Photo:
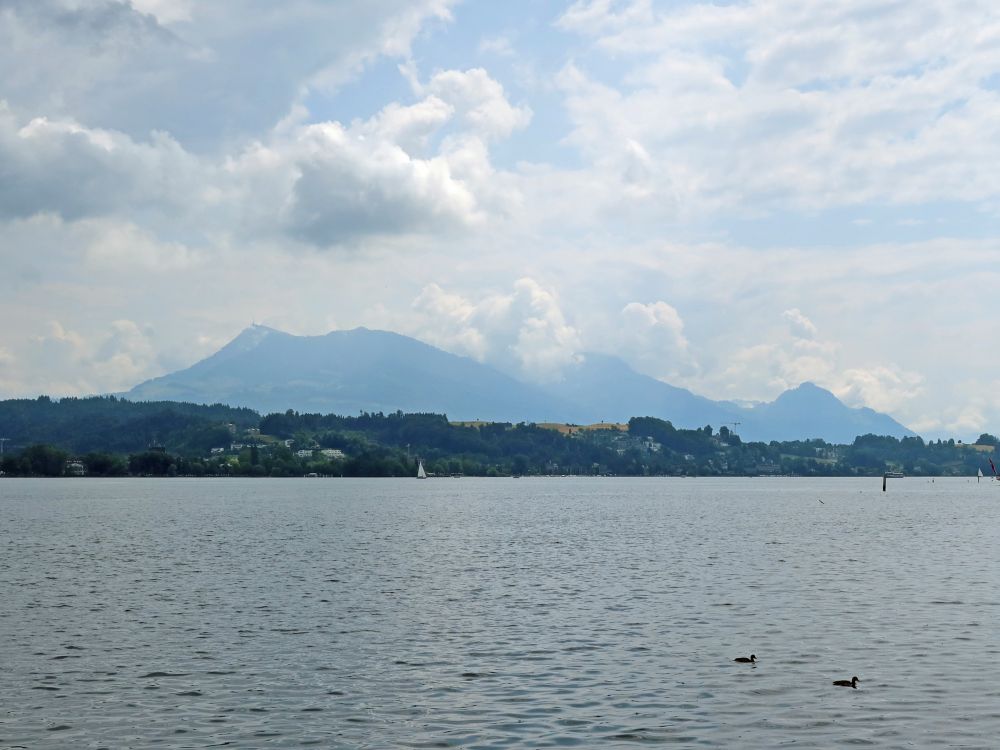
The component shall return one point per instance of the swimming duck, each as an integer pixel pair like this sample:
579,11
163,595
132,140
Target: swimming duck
744,660
851,683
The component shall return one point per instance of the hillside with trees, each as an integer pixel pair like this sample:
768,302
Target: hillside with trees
110,436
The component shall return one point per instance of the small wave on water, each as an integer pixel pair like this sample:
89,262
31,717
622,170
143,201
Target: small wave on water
390,613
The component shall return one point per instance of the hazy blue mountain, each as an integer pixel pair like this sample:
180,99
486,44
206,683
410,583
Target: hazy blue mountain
347,371
344,372
606,389
810,411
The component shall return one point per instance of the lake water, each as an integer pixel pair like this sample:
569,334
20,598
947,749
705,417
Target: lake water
498,613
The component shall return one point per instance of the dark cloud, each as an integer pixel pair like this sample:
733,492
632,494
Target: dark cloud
230,72
64,169
344,192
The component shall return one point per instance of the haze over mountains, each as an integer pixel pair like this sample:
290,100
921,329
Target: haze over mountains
344,372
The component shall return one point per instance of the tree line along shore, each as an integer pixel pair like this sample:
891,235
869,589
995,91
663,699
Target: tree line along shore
109,436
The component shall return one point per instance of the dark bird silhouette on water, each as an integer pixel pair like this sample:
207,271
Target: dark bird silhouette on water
851,683
744,660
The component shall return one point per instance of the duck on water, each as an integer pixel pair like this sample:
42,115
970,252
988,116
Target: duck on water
744,660
851,683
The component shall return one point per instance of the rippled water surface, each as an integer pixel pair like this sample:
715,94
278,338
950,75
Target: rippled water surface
498,613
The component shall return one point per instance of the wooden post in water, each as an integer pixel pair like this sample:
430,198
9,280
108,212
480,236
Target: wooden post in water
884,477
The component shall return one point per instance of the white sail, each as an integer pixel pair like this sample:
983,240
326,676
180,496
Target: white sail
421,474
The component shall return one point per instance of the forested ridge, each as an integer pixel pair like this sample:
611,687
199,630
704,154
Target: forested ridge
109,436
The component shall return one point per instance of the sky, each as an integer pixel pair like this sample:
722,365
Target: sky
734,197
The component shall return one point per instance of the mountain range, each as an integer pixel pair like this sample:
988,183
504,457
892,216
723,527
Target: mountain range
344,372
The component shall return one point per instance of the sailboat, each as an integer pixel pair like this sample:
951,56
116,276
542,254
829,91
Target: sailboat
421,474
979,475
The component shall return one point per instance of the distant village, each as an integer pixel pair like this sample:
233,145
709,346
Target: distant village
253,439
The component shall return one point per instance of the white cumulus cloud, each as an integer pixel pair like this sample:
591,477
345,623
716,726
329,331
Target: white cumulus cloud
480,101
523,332
799,324
652,339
